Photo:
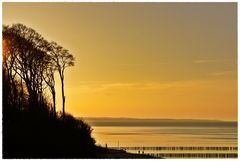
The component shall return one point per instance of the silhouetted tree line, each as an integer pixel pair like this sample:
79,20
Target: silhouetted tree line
31,126
32,60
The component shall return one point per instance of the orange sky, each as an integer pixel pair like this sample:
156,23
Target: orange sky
142,60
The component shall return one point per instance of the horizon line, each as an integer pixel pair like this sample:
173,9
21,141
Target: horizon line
137,118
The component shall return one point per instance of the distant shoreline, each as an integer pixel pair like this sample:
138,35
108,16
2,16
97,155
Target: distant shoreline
169,119
103,121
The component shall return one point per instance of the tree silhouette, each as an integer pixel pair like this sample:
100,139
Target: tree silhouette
50,81
34,61
28,59
62,59
8,62
27,64
31,128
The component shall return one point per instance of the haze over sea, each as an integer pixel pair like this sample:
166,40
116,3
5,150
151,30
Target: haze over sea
127,132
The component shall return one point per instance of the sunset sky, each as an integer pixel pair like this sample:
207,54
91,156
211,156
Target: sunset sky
142,60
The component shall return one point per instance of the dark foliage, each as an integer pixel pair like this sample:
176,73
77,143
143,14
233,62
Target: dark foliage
31,126
27,135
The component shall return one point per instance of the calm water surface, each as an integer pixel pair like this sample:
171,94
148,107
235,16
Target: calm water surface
115,136
169,133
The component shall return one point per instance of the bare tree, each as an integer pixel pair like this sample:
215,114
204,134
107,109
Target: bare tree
27,59
34,60
9,59
50,81
62,59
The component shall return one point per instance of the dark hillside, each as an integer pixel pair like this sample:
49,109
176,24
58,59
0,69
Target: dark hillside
31,126
26,135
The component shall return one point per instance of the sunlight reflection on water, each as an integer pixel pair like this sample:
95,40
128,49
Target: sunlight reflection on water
165,136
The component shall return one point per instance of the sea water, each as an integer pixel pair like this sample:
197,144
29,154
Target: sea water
152,135
164,136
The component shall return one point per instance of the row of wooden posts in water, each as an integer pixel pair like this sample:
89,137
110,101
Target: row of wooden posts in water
194,155
223,152
179,148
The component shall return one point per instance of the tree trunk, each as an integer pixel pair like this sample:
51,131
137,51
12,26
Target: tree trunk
63,98
54,102
21,95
